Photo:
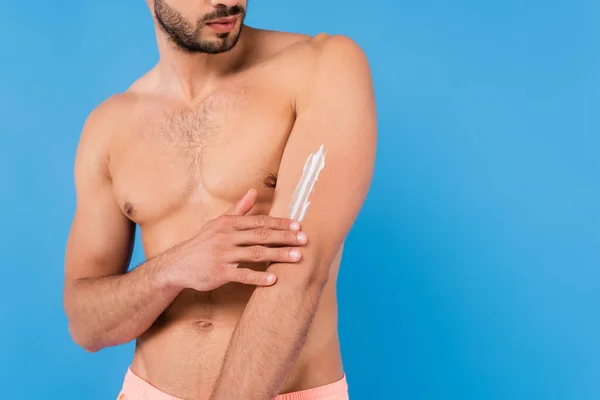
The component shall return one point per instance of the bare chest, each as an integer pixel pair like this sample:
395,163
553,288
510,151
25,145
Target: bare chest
171,158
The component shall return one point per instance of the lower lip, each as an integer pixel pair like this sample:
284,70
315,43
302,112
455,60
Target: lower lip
223,27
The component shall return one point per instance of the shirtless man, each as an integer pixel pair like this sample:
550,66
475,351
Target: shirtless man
204,153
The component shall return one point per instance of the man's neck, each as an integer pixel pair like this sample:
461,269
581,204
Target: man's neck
189,75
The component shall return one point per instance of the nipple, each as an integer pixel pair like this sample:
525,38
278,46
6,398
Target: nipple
128,209
270,181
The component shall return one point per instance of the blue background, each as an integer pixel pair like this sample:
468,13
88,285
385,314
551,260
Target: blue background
472,271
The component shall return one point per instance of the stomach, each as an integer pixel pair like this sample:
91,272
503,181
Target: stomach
183,352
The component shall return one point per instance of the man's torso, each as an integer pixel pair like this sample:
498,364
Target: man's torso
174,167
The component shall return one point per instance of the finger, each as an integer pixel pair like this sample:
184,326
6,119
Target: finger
248,276
245,204
264,221
267,236
255,254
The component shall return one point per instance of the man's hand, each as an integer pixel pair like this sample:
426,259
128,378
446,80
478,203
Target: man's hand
210,259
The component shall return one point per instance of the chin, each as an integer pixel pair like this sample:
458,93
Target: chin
227,44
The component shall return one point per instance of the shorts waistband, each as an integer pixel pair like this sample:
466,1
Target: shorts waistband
135,388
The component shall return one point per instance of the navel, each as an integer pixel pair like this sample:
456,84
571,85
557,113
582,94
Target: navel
204,325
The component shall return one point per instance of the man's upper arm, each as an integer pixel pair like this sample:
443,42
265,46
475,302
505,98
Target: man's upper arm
101,237
338,112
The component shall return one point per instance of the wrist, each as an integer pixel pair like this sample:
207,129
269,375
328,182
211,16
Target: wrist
166,277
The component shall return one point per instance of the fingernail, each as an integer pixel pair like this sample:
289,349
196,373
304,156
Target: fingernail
295,226
270,278
295,254
302,237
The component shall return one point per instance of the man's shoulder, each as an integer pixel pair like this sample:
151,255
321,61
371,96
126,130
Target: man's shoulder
275,42
302,62
322,62
103,121
309,49
111,110
333,52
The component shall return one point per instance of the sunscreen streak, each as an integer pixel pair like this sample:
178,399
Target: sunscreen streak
310,174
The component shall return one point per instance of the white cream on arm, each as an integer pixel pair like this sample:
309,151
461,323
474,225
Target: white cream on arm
310,174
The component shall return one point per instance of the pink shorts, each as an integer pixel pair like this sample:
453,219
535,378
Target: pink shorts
135,388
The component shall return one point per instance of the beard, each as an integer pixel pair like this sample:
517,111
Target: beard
189,38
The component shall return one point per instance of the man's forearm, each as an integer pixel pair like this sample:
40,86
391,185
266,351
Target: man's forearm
268,338
114,310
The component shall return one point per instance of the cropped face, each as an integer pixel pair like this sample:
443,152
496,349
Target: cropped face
201,26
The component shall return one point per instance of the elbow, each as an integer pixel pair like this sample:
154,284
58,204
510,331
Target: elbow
90,348
318,276
313,284
308,278
84,339
318,279
79,332
82,336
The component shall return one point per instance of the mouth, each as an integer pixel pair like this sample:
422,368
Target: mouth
223,24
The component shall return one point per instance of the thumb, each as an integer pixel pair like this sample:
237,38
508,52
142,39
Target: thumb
246,203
